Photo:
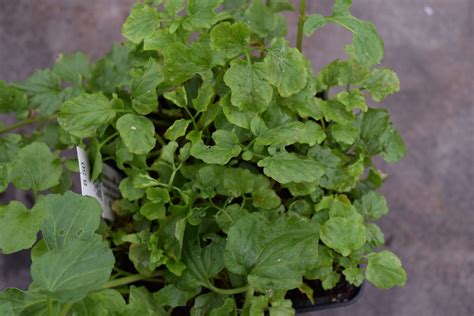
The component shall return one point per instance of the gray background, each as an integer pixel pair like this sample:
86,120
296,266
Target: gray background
430,44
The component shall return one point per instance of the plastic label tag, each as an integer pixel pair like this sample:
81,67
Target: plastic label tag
105,190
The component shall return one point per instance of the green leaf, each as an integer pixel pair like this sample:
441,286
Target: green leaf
292,132
84,115
380,83
385,270
11,302
228,308
345,133
205,93
312,23
173,296
226,147
260,18
227,217
202,264
178,97
354,275
375,236
73,68
287,168
205,304
44,91
111,71
235,182
250,90
330,280
173,7
142,303
142,21
128,190
70,216
353,100
343,234
137,133
367,46
177,130
5,171
394,148
20,226
234,115
379,135
35,167
335,111
372,205
73,271
258,305
201,13
158,195
95,156
272,254
143,88
9,146
12,99
341,7
182,62
282,308
106,302
285,68
159,39
230,39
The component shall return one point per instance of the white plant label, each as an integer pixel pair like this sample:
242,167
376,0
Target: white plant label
105,190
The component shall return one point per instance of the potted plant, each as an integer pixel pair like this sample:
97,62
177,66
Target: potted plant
247,180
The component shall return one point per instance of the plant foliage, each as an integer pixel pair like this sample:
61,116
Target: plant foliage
245,173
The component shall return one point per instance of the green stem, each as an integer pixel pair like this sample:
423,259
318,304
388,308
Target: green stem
173,175
108,139
228,291
65,309
193,119
160,139
301,19
18,125
160,123
126,280
248,298
50,306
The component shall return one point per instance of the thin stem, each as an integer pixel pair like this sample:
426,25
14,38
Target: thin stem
108,139
127,280
120,271
160,139
173,174
228,291
248,298
193,119
301,19
18,125
65,309
160,123
50,306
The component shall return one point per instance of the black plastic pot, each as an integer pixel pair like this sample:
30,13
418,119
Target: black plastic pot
342,295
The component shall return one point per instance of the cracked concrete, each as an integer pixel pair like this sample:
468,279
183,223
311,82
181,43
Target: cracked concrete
430,43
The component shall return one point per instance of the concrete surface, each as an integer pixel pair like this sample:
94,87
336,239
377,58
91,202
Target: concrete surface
430,43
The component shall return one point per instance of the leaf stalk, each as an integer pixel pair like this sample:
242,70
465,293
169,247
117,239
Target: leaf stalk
301,20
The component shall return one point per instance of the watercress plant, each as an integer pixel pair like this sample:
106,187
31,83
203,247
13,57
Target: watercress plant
245,173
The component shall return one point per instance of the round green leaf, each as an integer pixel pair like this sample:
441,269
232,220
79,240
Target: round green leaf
385,270
137,133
